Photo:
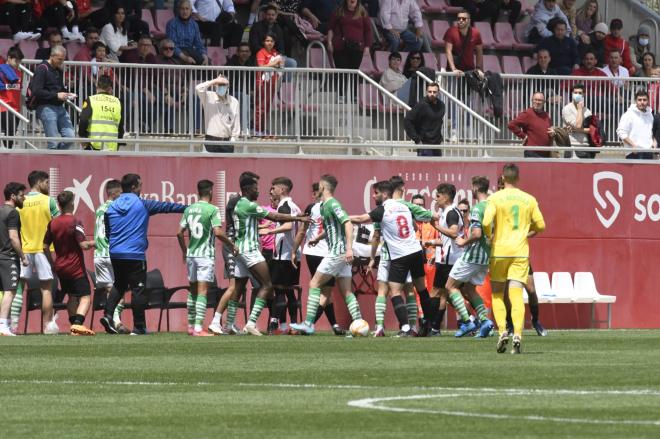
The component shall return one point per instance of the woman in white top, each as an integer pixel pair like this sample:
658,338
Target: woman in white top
115,34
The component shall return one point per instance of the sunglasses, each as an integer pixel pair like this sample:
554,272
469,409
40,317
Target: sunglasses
462,18
168,48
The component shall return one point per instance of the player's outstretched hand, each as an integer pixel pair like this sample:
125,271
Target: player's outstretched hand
304,219
349,256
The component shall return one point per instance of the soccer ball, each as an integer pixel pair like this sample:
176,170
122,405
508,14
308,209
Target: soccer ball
359,328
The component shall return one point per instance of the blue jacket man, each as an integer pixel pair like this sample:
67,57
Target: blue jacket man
126,224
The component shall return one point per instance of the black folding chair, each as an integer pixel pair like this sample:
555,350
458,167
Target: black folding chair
33,300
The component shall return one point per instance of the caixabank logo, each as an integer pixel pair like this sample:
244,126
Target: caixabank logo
609,195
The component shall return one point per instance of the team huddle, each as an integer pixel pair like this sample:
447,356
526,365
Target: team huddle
492,239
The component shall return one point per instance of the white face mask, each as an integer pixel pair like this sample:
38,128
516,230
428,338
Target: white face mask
643,41
221,90
577,98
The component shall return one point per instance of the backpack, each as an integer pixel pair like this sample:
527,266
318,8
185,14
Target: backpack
30,96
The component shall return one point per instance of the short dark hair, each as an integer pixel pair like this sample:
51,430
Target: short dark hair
16,53
510,173
616,23
247,181
269,35
464,11
13,188
315,186
481,183
64,198
248,174
271,7
129,181
579,85
97,45
554,22
418,197
284,181
433,84
464,201
204,188
383,186
397,182
244,44
112,185
91,30
104,82
641,92
394,55
589,51
35,177
331,180
446,189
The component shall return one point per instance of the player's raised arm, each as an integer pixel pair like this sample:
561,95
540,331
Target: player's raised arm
360,219
284,218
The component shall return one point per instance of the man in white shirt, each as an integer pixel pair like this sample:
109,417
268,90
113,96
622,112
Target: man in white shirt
614,69
636,128
394,17
574,115
221,113
216,20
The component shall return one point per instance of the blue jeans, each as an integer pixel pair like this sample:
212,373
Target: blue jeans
410,41
56,121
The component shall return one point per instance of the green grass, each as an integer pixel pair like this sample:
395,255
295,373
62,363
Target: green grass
171,385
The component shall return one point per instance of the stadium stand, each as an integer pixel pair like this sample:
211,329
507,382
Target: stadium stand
217,55
438,30
148,18
504,35
511,64
519,33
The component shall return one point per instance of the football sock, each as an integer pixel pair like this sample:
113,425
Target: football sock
279,306
200,311
400,310
534,310
312,305
499,311
433,315
437,319
292,305
17,305
319,313
381,304
478,304
72,320
78,319
217,319
425,302
353,306
517,309
457,301
330,314
411,305
117,314
231,312
259,305
190,306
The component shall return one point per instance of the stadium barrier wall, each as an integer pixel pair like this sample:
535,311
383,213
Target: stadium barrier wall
601,217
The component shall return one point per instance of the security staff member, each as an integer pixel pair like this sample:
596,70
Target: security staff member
101,117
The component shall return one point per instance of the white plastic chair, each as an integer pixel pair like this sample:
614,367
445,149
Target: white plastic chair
562,286
585,286
542,284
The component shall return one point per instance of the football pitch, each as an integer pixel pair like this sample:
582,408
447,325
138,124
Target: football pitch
569,384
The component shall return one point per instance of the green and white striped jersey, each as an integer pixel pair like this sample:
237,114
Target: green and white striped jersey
102,247
246,225
334,218
477,252
200,219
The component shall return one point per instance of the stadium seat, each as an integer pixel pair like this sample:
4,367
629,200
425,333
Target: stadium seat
170,302
29,48
148,18
438,30
316,59
585,286
492,64
381,63
527,6
504,36
367,65
439,7
519,33
430,60
542,284
486,35
511,64
562,286
527,62
217,55
231,51
442,61
72,48
155,292
5,45
162,16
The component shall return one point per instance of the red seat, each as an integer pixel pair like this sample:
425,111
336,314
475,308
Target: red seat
527,62
29,48
440,7
72,48
438,30
231,51
148,18
368,97
442,61
217,55
528,6
504,35
367,65
491,63
522,43
487,35
316,59
5,45
511,64
162,17
380,61
430,61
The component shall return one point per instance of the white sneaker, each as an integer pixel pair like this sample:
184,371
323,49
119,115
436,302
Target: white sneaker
34,36
233,330
68,35
216,329
5,330
52,328
77,36
251,328
19,36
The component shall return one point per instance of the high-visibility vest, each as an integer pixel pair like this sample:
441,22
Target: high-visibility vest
104,124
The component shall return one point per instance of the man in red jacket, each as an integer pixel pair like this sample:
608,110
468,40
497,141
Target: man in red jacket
534,126
614,42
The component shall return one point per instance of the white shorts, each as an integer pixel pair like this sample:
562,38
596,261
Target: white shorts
38,267
246,260
105,275
335,266
466,272
384,272
200,269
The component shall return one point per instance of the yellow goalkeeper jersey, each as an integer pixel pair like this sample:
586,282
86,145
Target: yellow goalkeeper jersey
513,213
38,209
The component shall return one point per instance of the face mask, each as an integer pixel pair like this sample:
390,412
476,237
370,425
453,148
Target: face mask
577,98
221,90
643,41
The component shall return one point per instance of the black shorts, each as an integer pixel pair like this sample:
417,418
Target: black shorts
313,263
230,262
441,275
284,273
76,287
10,272
400,267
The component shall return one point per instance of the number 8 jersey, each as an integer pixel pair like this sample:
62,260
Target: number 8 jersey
397,227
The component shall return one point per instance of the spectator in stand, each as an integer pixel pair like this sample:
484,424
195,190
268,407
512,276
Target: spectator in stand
392,78
241,83
394,17
636,128
86,52
349,39
544,11
414,89
187,39
568,8
423,124
221,113
268,56
534,126
11,82
217,20
270,26
318,12
49,93
463,45
588,68
62,15
166,53
144,53
490,10
614,69
115,35
614,42
133,17
151,97
100,55
20,16
54,38
288,13
639,45
563,50
542,66
170,81
594,42
574,115
586,19
648,66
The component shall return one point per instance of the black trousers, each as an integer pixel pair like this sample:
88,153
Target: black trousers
347,59
218,148
20,18
8,127
222,28
129,275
